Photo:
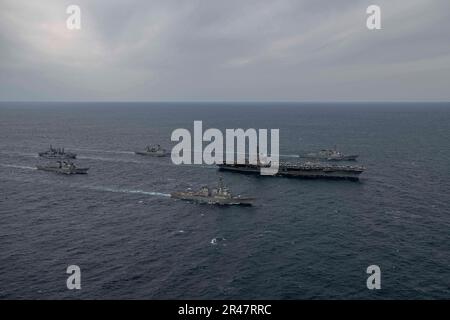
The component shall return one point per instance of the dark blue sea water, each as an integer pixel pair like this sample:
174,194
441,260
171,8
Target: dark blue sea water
303,239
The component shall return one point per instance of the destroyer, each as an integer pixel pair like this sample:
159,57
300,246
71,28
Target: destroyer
301,170
218,196
57,153
63,167
153,151
330,155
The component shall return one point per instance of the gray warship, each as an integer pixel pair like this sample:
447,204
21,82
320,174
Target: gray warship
308,170
330,155
63,167
57,153
217,196
153,151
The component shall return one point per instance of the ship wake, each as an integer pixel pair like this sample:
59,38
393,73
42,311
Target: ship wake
103,151
17,167
129,191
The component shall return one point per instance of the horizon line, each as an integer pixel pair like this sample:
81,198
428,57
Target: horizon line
223,101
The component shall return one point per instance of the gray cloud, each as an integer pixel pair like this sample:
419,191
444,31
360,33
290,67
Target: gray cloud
225,50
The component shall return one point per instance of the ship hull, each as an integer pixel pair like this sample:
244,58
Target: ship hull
151,154
64,171
208,200
332,174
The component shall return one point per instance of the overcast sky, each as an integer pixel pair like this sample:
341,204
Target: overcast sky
264,50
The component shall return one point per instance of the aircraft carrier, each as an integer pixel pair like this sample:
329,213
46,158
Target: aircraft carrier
301,170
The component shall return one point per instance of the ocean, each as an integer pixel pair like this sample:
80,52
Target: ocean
303,239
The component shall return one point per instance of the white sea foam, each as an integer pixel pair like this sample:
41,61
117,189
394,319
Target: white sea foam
214,241
290,155
18,167
22,154
149,193
108,159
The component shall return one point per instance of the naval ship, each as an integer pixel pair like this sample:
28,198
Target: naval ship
218,196
57,153
330,155
153,151
301,170
63,167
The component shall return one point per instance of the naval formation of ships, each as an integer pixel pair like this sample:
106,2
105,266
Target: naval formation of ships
221,195
63,165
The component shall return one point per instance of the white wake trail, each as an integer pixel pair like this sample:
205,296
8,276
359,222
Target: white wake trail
149,193
103,151
18,167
